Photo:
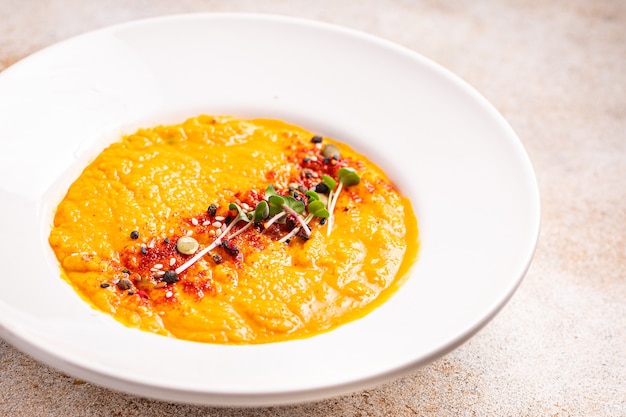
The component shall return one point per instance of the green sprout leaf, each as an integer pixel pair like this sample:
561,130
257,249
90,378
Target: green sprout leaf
348,176
270,191
312,195
261,211
241,215
276,204
329,182
318,209
296,205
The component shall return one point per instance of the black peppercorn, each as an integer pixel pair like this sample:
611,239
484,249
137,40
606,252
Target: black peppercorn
170,277
322,188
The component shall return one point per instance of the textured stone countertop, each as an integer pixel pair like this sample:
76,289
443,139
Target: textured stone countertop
556,70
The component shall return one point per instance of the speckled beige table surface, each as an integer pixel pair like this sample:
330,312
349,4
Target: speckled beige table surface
557,72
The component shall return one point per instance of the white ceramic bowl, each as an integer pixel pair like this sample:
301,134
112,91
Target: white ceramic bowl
447,148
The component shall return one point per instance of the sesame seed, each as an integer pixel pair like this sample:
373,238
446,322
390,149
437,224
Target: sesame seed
189,232
169,294
245,206
206,223
151,243
159,273
223,228
217,224
212,232
314,158
158,266
172,261
194,221
220,218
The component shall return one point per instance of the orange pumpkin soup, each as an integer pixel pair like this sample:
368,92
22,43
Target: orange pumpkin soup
233,231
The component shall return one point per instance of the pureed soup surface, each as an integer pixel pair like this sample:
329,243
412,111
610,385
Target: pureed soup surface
209,231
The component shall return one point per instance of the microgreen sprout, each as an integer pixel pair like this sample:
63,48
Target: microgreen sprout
318,209
288,206
282,205
347,177
275,209
261,211
315,208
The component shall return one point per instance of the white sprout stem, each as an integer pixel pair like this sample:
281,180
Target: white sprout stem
240,231
298,218
273,219
204,251
331,208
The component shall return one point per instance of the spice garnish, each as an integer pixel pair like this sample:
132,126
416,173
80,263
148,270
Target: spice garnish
277,208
